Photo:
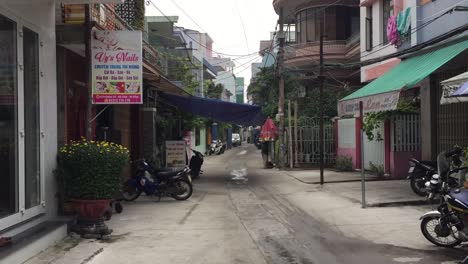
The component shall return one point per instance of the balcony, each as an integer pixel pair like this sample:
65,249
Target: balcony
290,7
334,51
70,31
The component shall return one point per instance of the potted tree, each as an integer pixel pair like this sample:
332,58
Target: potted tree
91,173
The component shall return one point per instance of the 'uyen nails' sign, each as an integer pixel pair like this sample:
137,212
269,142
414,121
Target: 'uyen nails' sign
117,67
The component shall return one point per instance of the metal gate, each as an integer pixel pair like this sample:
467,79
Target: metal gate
308,141
374,150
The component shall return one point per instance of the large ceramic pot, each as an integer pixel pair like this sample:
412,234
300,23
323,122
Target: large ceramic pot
90,209
90,222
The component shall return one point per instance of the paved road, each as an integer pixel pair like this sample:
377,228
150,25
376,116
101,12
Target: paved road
239,214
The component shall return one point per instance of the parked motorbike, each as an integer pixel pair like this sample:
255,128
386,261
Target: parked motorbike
258,143
217,147
419,173
195,164
448,225
176,184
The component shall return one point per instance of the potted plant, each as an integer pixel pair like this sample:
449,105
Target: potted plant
91,173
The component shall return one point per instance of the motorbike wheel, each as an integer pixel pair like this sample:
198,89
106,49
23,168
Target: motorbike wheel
185,190
429,227
418,185
118,207
130,193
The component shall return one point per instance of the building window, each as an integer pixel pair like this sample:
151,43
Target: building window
369,28
298,28
340,22
387,13
197,137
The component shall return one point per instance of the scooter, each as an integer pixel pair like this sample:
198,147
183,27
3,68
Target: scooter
195,164
176,184
419,173
217,147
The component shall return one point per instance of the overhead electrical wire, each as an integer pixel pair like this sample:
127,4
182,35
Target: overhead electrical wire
413,31
150,2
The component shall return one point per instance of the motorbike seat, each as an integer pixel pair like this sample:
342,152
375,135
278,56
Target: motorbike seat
429,163
168,173
461,195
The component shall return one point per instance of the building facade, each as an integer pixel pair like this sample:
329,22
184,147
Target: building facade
426,30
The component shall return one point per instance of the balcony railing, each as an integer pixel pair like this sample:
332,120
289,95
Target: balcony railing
337,48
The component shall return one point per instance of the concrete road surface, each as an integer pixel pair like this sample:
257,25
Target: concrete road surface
239,213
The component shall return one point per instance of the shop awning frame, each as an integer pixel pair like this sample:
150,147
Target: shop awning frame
217,110
379,94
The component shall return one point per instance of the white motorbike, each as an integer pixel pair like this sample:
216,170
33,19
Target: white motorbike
217,147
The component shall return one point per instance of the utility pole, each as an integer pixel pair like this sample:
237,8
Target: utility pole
89,101
281,89
321,79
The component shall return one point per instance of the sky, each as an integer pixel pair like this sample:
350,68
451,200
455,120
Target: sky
225,21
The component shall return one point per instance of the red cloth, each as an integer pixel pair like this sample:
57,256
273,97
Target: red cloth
269,130
392,32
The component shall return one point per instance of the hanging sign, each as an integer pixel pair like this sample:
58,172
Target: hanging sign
175,153
372,103
117,67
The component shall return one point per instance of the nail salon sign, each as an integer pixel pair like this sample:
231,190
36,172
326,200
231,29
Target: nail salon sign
117,73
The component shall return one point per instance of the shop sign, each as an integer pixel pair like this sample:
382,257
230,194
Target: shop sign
373,103
117,67
175,153
74,14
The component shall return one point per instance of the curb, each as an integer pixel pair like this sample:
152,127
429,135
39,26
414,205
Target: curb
339,181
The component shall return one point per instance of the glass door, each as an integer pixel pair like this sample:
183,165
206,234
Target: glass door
8,118
31,118
21,184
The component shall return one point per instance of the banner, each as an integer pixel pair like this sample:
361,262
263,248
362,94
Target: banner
373,103
117,67
175,154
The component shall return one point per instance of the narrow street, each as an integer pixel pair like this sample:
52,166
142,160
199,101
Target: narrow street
239,213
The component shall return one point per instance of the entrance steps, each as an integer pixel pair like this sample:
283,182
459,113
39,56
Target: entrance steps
32,241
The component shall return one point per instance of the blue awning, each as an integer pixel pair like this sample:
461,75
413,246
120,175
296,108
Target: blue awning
217,110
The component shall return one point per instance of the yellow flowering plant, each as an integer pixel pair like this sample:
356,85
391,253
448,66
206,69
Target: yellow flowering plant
91,169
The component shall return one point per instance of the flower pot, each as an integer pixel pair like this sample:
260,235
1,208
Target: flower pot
90,209
90,222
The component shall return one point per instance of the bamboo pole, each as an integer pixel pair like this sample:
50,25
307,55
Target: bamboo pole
295,133
291,164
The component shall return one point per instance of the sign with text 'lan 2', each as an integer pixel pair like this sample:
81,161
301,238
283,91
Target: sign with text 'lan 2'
117,67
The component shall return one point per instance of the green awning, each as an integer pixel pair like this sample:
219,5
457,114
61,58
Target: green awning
410,71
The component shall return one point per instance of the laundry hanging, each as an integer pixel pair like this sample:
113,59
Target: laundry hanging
392,31
404,23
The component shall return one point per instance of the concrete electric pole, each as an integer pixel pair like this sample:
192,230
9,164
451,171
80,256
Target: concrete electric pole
280,116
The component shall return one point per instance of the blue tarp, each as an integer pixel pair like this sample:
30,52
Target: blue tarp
217,110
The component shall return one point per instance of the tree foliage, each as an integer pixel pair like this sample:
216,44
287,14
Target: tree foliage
264,92
213,91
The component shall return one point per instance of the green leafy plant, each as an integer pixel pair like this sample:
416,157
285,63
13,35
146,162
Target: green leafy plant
377,169
373,121
344,163
91,170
